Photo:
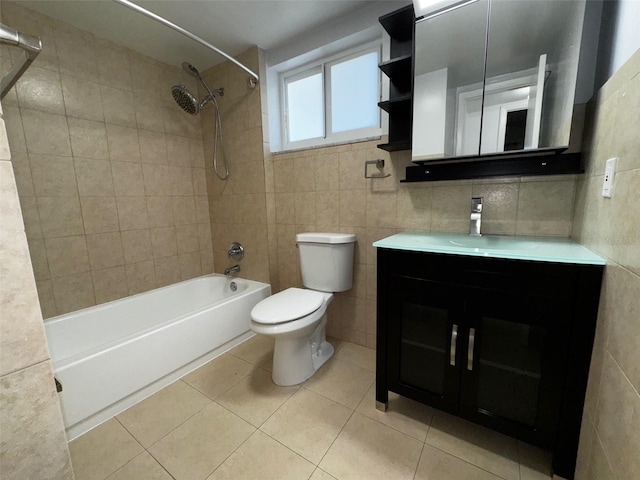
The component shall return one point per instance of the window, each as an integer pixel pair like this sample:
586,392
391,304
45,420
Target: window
333,100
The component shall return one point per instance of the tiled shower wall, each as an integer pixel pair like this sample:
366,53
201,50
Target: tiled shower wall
238,206
110,172
610,437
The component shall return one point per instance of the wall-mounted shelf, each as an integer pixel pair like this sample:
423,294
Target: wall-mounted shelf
400,25
539,162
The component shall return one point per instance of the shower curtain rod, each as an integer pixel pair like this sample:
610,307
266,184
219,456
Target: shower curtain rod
184,32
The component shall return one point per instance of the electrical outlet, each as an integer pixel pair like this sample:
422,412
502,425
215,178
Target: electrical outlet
609,174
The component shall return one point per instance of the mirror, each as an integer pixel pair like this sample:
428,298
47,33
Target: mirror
494,76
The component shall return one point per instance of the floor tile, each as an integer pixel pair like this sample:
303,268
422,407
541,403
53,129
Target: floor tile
437,465
154,417
341,382
403,414
256,397
264,458
358,355
308,424
198,446
319,474
368,450
535,463
103,450
257,350
143,467
472,443
219,375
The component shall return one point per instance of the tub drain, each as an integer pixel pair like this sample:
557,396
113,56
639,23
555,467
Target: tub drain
233,286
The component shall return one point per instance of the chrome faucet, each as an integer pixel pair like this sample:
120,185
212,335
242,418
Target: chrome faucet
476,217
232,270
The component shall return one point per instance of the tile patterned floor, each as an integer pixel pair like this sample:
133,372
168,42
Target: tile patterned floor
227,420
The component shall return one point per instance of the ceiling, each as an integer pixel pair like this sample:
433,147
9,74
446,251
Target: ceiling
230,25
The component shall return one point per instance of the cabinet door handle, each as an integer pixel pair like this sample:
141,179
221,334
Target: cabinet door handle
472,341
454,341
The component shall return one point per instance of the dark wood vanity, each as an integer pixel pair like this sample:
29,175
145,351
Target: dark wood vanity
504,343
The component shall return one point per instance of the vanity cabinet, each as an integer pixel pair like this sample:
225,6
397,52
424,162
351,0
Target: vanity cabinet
503,343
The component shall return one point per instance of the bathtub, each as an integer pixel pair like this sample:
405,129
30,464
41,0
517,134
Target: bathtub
113,355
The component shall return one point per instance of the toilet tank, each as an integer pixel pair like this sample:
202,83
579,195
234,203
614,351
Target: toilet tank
326,260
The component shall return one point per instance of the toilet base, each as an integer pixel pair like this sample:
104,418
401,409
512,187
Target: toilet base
295,359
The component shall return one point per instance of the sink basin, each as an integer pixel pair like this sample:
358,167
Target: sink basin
486,242
545,249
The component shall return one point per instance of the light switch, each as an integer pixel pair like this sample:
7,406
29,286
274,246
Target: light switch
609,173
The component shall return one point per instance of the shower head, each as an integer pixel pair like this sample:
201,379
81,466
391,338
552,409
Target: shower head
185,99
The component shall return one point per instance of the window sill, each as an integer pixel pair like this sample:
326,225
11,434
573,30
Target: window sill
327,145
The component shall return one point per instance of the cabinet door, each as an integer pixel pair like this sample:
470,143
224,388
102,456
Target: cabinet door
511,374
425,336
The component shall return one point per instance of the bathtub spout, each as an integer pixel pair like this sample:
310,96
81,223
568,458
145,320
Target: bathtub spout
232,270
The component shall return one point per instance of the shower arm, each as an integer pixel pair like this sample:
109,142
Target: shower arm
31,46
254,78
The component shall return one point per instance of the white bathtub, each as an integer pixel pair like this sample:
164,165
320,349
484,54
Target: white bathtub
113,355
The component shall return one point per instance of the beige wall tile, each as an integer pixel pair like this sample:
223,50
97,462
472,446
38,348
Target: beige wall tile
414,208
190,266
82,98
123,143
149,114
136,246
156,179
499,207
39,451
67,255
545,208
450,207
76,52
110,284
22,172
118,106
132,213
618,409
105,250
153,147
39,261
184,210
167,270
53,176
178,151
73,292
113,65
47,302
94,177
353,208
128,180
160,211
164,242
60,216
46,133
88,138
181,181
31,217
187,238
99,214
382,209
15,132
40,89
141,277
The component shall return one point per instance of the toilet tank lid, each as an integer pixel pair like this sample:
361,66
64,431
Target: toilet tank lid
320,237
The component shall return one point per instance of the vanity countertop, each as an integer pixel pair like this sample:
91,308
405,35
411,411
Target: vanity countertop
540,249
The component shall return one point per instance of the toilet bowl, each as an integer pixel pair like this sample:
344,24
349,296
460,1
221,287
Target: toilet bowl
297,318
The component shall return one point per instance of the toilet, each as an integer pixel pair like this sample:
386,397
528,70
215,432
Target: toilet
296,318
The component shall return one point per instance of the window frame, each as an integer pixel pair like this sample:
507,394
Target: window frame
324,65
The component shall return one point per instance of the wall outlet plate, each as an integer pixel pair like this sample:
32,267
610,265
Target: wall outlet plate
609,174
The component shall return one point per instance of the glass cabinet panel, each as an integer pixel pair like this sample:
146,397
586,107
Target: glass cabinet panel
423,347
508,366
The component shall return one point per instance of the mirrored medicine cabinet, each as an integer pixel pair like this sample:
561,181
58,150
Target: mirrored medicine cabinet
496,78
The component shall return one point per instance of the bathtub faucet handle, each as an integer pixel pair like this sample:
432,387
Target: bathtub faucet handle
232,270
236,251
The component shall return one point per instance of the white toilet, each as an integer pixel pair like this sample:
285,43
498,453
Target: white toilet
297,317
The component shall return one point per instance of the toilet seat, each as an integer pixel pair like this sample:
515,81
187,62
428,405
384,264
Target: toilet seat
287,306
